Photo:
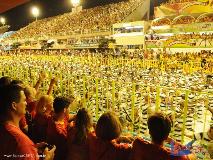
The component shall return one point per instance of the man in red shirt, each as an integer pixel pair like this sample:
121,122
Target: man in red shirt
58,126
15,144
159,128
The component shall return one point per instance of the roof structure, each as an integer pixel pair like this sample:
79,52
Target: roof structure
6,5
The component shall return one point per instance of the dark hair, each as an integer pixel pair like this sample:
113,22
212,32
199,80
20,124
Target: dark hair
108,127
83,123
17,82
60,103
8,95
159,127
5,81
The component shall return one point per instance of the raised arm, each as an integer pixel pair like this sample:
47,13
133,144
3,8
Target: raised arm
51,86
42,76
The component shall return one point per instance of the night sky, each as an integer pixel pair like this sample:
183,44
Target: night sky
21,15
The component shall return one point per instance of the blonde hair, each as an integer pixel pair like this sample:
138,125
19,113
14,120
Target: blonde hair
30,92
43,102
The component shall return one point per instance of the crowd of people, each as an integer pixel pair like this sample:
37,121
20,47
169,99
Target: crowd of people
208,18
43,128
194,39
193,36
142,54
182,20
174,2
86,76
161,22
96,19
100,87
180,1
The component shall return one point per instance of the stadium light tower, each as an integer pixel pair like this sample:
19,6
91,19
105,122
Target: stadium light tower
3,21
35,12
76,6
75,3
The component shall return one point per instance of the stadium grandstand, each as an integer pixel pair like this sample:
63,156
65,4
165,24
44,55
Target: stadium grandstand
67,27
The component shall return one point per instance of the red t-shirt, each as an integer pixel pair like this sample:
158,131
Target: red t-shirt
31,107
40,127
147,151
57,135
15,144
77,151
104,150
143,150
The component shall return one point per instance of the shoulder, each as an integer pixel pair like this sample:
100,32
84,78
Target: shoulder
71,131
14,132
18,140
140,142
20,137
8,134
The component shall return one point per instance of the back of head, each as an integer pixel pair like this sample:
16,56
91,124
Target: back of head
83,123
8,95
5,81
108,127
83,118
60,103
159,127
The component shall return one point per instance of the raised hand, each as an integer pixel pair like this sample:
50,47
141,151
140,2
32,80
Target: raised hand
42,76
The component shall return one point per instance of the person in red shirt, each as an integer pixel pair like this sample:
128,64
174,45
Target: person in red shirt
16,145
30,93
104,146
159,127
23,123
58,127
27,121
44,111
78,135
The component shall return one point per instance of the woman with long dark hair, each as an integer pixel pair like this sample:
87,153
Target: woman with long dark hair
78,135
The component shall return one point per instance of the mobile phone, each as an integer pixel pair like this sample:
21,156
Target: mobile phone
49,146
